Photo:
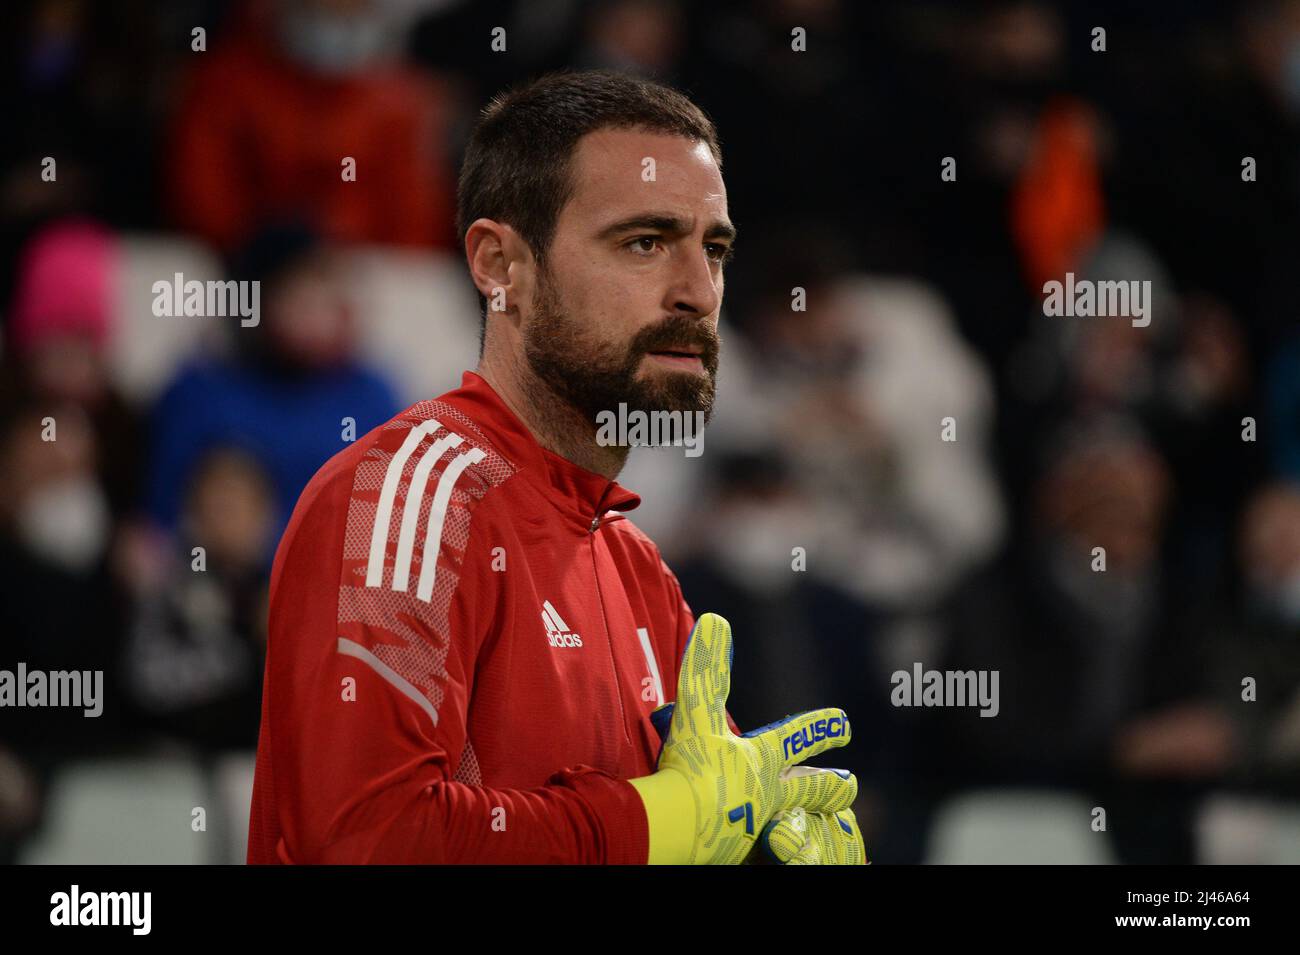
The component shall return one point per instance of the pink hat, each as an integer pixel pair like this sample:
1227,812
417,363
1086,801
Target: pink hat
66,283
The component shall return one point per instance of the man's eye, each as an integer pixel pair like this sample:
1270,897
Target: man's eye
718,252
644,244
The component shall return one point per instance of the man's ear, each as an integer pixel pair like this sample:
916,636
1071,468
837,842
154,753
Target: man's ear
501,265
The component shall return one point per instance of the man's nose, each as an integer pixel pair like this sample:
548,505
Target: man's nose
695,291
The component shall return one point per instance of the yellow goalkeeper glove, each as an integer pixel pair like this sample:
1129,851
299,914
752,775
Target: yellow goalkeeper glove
713,791
797,837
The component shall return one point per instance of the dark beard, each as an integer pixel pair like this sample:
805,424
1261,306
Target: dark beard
595,378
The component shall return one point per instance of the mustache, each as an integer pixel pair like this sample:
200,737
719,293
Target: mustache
678,333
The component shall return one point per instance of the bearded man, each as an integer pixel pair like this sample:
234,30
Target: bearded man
474,656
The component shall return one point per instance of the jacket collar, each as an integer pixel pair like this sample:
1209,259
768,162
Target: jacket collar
580,494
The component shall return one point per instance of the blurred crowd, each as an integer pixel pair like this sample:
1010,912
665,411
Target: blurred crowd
837,521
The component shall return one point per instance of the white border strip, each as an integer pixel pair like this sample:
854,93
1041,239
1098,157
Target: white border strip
353,649
649,652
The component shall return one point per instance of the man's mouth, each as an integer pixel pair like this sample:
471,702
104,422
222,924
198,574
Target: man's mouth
685,358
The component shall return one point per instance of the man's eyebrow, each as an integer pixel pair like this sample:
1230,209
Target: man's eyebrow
721,230
668,224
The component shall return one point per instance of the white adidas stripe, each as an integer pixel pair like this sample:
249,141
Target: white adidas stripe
387,494
437,515
411,510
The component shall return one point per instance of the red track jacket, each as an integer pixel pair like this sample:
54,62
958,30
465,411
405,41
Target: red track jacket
466,642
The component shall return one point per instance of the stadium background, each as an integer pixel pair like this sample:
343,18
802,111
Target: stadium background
1119,690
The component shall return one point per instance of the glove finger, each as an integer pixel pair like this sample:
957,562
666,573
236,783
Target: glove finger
785,835
832,839
804,736
818,790
705,680
810,854
799,837
836,839
843,828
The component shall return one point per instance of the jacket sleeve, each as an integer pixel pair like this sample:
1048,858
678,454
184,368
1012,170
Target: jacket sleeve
367,695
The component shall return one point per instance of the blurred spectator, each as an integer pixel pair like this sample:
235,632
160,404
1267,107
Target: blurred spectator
272,112
292,395
57,607
197,642
1255,636
927,508
1071,640
1185,378
60,328
1104,676
852,394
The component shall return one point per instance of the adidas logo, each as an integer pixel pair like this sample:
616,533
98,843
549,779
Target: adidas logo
557,631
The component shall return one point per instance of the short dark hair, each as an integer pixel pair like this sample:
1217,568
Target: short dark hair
517,162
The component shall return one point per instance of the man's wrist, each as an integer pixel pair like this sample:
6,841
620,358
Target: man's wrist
670,811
